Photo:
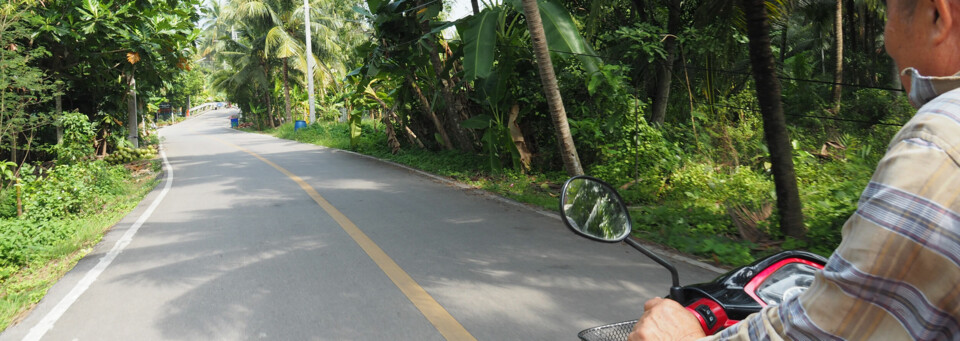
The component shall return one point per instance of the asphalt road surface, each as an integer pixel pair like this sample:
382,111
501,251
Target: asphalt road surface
257,238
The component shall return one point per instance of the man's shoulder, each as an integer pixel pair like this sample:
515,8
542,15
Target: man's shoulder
937,123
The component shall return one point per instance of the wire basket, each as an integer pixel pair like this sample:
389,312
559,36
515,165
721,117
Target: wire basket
611,332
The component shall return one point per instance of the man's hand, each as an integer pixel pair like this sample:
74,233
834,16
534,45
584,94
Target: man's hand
666,320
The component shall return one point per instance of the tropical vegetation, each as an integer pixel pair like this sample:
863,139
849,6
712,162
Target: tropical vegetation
81,85
734,129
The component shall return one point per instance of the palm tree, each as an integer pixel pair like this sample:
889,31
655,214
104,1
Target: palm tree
283,27
774,123
273,18
571,162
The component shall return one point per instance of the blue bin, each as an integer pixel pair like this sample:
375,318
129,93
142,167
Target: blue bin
234,122
299,124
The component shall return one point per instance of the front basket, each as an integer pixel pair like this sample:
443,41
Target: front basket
611,332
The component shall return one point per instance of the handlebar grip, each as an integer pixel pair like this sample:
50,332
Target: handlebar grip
711,315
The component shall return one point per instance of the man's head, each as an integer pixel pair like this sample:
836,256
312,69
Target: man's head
925,35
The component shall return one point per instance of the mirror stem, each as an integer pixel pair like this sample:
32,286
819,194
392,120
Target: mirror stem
675,291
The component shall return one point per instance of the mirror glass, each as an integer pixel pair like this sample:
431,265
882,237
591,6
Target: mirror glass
593,209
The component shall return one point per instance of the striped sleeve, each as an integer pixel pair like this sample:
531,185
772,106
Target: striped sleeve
895,275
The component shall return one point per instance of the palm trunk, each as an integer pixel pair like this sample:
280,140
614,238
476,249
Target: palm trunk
571,161
286,91
476,7
838,70
266,96
774,123
132,126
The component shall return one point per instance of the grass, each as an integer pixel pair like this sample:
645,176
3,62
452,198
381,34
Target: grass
22,290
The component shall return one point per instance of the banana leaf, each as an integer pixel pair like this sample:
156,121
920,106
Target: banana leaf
479,42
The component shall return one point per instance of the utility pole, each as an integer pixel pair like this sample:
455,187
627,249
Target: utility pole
306,16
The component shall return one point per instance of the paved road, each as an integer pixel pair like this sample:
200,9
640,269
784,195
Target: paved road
238,250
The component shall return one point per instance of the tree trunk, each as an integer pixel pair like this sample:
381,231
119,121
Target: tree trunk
774,123
838,71
132,125
429,113
516,134
783,42
13,148
286,92
268,111
453,105
58,113
665,70
476,7
571,161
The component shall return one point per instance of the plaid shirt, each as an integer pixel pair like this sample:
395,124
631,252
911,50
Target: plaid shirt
896,275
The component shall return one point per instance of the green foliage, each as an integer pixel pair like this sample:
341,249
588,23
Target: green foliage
479,40
693,229
23,86
646,157
78,133
876,106
35,253
73,189
831,189
709,154
645,41
50,204
563,36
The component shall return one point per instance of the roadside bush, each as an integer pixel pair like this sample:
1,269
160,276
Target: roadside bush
78,135
51,205
876,106
830,191
692,229
72,189
643,158
22,241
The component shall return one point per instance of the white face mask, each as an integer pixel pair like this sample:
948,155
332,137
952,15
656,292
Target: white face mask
923,89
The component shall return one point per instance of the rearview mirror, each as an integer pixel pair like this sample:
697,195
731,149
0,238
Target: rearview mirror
593,209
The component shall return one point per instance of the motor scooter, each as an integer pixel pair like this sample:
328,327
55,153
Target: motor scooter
593,209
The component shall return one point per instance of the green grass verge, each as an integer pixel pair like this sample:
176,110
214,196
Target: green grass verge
23,289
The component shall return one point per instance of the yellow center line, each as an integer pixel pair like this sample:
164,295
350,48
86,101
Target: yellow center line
445,323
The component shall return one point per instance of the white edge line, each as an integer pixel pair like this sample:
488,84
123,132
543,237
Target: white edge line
550,214
51,318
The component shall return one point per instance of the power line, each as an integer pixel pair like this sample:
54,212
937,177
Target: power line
793,79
